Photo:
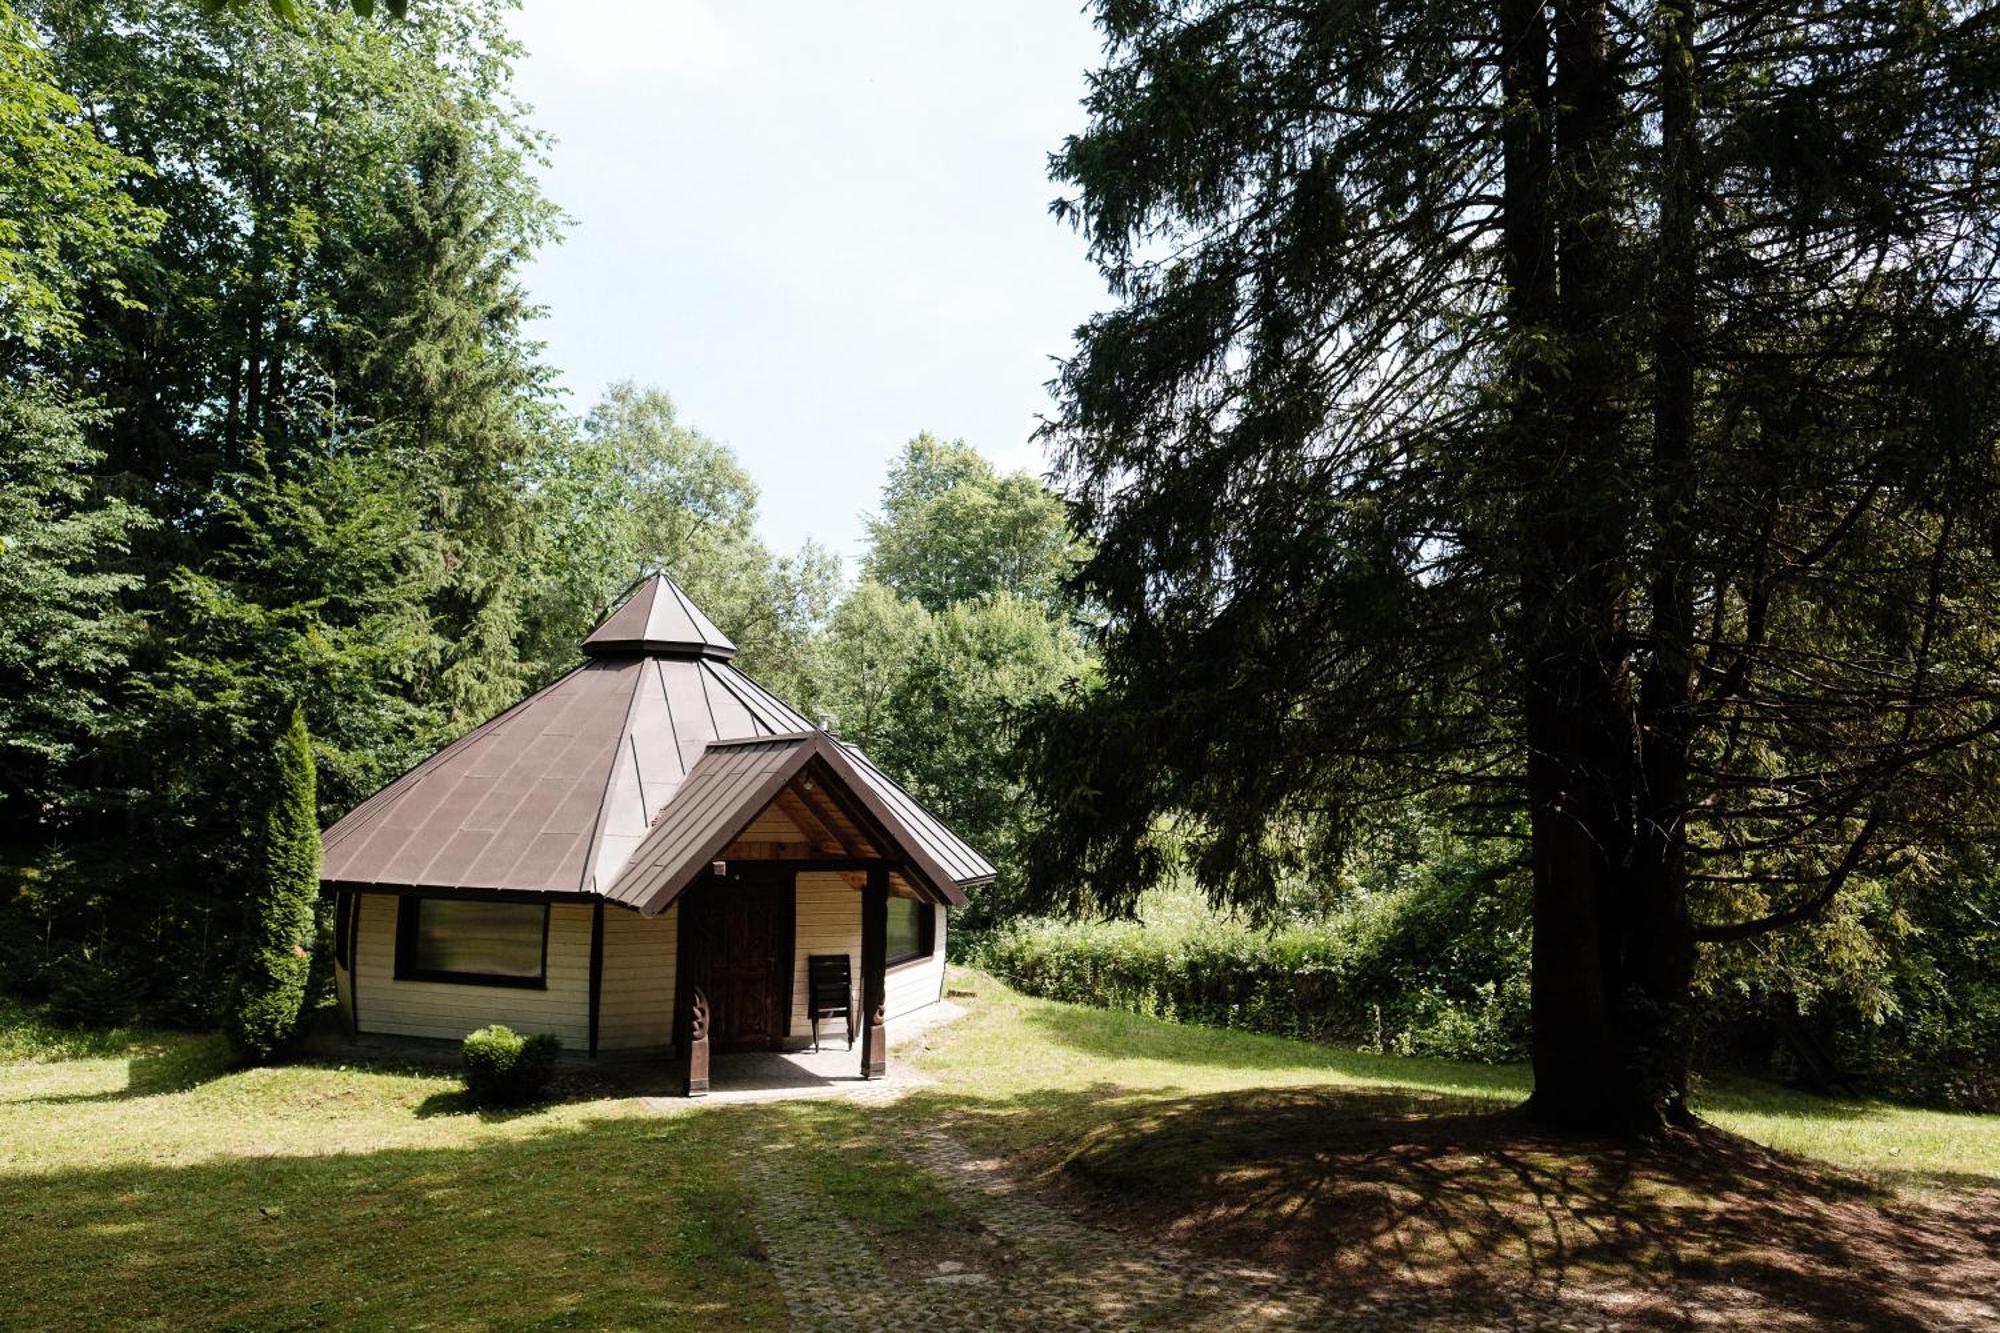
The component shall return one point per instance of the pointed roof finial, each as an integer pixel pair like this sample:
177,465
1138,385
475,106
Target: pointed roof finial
659,618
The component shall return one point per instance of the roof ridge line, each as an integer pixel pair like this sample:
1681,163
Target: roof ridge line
769,738
756,709
771,700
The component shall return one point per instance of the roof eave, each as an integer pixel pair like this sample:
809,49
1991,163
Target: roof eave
657,648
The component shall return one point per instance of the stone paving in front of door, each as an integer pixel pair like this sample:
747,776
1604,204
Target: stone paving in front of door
1061,1273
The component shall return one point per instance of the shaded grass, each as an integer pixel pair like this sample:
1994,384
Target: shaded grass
150,1184
26,1033
855,1156
1368,1190
1380,1174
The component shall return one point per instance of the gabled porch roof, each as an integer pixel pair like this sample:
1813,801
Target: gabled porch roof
734,781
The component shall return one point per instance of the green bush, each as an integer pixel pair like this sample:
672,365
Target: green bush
1435,969
503,1068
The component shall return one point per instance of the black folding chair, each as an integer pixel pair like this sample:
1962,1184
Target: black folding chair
830,992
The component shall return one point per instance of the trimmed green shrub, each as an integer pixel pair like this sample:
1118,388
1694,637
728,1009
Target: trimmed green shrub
503,1068
271,980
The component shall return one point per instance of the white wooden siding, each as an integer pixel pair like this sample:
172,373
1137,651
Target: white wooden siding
772,825
635,1006
448,1010
829,921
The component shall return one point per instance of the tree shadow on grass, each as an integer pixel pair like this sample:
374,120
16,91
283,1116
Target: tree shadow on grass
1368,1192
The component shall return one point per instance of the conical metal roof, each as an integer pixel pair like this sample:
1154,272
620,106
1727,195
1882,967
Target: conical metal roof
659,618
557,793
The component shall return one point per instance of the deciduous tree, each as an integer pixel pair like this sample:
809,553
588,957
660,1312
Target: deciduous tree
953,529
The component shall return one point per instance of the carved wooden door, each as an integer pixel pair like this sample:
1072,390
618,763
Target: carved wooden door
748,948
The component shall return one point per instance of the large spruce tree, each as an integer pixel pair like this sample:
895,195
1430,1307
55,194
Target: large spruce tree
1582,409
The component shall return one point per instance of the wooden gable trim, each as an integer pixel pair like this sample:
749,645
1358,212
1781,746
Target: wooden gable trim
859,804
795,805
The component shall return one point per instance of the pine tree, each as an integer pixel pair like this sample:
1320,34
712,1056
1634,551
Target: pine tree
270,993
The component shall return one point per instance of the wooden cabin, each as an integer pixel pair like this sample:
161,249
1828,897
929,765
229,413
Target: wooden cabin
643,859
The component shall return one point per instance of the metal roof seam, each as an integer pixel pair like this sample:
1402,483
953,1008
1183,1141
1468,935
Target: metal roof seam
714,724
766,779
519,802
587,875
667,699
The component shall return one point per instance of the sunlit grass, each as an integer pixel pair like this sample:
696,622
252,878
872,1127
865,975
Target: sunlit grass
1904,1145
26,1034
165,1188
1013,1047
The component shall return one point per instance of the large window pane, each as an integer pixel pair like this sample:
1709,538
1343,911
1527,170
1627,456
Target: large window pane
909,929
473,938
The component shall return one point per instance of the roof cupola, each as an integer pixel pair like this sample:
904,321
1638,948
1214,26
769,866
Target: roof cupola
659,618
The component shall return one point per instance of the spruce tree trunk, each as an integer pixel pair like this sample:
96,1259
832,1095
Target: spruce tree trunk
1663,943
1606,955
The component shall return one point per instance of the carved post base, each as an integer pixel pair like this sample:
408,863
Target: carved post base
875,1047
695,1081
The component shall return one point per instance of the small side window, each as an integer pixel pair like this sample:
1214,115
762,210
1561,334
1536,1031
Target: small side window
912,930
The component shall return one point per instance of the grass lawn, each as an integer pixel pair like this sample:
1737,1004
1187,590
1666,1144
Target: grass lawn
1020,1063
144,1183
1377,1172
156,1189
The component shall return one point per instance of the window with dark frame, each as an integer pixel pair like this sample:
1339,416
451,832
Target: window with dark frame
472,941
912,930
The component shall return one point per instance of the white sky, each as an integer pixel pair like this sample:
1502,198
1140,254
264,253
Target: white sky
822,227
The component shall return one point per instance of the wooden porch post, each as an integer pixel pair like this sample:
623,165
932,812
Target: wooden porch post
874,959
691,989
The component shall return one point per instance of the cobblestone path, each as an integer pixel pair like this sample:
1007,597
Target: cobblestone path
1050,1269
1059,1273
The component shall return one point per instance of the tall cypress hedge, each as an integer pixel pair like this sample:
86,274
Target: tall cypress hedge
278,930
